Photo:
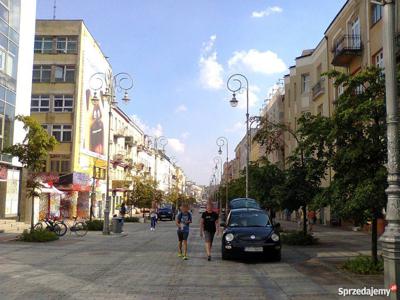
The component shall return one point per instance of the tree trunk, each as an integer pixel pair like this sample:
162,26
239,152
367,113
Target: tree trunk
374,239
304,219
33,211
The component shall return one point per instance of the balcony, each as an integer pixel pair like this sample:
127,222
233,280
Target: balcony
346,49
120,132
119,157
129,141
318,89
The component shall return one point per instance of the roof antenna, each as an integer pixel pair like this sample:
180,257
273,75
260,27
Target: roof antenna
54,9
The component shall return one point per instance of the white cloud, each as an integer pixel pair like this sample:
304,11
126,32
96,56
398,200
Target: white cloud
176,145
185,135
211,71
181,108
238,126
257,61
153,131
266,12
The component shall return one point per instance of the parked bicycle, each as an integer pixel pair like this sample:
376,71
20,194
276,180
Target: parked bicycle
80,228
53,225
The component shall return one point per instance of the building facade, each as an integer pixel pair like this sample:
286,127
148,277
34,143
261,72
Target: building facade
17,31
66,57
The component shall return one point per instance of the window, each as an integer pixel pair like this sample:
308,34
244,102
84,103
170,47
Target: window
63,103
62,133
2,60
378,60
60,166
320,109
340,90
64,74
45,127
43,44
41,73
376,13
4,14
40,103
305,83
67,44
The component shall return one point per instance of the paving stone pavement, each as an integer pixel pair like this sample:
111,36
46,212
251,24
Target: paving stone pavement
142,264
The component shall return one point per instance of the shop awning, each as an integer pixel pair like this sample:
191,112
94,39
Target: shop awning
49,189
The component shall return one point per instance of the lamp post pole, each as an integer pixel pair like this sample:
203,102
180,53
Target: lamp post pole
391,237
121,82
223,141
218,160
235,84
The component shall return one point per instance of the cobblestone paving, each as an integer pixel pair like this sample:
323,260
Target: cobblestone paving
143,265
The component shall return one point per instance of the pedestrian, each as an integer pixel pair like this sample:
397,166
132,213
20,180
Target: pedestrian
312,218
153,219
183,220
122,213
209,225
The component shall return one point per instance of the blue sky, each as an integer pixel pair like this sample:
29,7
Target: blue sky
181,52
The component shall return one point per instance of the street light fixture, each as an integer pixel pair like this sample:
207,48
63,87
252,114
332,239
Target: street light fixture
110,83
218,160
223,141
235,84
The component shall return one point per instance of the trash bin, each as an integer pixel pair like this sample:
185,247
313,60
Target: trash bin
116,225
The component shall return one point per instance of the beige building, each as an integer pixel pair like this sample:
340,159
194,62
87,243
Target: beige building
66,56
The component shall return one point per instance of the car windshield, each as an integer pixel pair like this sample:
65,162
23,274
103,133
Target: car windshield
249,219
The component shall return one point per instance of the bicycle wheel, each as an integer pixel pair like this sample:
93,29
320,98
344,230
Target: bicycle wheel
38,226
81,229
60,228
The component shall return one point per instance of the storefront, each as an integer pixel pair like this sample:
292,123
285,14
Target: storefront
9,191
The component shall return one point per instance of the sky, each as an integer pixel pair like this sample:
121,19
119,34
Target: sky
181,53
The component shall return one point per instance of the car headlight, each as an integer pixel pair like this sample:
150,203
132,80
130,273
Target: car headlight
229,237
275,237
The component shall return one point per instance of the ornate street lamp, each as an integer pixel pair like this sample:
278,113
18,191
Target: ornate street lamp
121,82
235,84
221,142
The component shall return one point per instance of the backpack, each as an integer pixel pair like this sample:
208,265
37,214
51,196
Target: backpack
122,210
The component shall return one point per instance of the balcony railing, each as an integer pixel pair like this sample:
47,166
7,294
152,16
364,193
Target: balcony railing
345,49
319,88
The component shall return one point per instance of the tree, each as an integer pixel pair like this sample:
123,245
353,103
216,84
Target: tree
353,141
32,154
303,175
144,192
263,178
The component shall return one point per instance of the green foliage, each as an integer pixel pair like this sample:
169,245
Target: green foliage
144,192
38,236
353,143
298,238
364,265
95,225
34,150
263,178
131,219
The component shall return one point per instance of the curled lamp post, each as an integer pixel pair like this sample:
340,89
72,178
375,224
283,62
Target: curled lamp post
236,83
223,141
218,161
111,84
160,141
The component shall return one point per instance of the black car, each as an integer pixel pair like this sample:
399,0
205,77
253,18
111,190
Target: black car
248,231
166,213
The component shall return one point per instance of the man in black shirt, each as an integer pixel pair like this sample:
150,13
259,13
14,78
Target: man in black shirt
208,226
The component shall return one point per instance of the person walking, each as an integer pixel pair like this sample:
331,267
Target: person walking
209,225
153,219
183,220
122,213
